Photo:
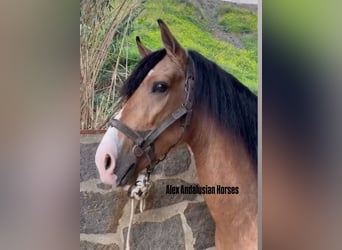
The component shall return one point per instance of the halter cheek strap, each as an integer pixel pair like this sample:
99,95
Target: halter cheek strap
143,144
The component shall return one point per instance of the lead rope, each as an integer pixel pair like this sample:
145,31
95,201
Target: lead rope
137,192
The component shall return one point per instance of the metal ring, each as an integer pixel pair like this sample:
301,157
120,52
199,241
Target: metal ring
137,151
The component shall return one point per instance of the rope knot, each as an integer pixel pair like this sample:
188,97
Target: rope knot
140,189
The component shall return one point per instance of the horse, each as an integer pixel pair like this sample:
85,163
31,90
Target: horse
177,96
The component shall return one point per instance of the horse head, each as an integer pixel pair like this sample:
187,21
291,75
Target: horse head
148,125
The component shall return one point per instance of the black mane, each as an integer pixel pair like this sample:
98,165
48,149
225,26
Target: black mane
232,104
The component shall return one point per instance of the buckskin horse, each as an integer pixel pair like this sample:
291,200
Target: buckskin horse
176,96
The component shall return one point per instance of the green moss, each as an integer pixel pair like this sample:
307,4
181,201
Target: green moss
192,31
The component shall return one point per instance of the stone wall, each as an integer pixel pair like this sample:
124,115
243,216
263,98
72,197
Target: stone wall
179,221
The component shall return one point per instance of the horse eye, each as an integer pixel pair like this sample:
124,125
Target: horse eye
159,87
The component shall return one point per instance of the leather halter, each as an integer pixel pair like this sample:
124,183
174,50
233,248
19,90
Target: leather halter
143,140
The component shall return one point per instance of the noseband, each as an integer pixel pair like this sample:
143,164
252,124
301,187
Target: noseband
144,140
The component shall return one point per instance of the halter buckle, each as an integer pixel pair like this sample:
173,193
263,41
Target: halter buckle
137,151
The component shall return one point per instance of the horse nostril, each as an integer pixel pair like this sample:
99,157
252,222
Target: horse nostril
108,161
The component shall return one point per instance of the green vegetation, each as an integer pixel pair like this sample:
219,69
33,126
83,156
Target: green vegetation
104,25
109,52
244,24
238,20
191,30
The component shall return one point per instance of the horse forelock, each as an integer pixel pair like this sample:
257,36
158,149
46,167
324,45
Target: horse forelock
140,72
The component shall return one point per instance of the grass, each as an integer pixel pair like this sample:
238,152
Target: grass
104,26
238,20
193,33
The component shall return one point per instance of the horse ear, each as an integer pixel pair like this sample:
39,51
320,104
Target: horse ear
143,51
173,48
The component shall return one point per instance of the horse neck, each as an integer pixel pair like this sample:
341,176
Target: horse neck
220,156
222,159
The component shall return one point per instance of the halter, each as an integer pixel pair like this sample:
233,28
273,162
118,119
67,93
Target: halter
144,140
